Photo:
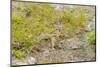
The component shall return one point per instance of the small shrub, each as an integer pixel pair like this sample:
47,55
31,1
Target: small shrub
91,38
18,53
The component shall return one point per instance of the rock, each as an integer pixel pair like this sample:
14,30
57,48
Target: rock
91,25
25,61
30,60
72,43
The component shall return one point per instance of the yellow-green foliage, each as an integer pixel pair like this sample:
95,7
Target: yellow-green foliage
31,20
91,39
75,20
18,53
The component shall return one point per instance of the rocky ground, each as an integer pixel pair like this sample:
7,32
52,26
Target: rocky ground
71,50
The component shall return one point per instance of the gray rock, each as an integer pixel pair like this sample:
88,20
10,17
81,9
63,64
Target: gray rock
91,25
24,61
30,60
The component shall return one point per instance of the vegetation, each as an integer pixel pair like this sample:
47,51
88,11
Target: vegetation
91,39
30,20
18,53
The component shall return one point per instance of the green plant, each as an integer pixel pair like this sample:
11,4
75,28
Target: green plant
91,39
18,53
73,22
31,20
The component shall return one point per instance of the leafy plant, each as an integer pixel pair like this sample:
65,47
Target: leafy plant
18,53
91,39
31,20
